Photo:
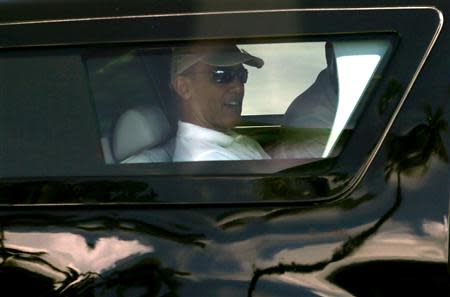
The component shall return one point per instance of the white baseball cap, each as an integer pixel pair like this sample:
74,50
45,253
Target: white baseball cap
215,55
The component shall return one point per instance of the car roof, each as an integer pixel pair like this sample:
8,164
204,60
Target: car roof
26,10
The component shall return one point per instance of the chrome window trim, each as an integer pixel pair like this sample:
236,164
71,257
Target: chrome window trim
129,17
363,169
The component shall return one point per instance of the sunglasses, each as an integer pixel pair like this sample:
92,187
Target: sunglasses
226,75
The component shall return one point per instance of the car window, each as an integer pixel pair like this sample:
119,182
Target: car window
96,118
295,105
289,69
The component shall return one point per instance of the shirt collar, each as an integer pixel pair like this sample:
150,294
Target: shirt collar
192,131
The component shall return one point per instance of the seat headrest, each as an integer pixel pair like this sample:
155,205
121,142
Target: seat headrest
139,129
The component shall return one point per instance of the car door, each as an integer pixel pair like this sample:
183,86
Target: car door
365,214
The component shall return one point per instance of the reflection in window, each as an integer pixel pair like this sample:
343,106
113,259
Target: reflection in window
356,63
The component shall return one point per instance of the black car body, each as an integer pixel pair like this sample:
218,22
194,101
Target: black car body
369,221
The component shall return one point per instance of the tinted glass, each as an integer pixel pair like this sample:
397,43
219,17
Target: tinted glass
302,103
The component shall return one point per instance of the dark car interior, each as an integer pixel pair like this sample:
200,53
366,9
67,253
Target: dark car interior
133,102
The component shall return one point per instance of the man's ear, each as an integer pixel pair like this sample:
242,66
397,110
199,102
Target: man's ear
181,85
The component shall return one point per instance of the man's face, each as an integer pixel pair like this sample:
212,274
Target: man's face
214,105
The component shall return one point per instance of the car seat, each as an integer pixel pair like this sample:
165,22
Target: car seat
309,118
316,107
320,120
142,135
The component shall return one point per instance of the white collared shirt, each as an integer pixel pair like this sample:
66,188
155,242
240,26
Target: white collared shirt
195,143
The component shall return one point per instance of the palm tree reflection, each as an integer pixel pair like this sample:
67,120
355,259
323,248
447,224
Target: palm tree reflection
412,151
408,154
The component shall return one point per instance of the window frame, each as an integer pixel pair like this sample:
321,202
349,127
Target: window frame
340,175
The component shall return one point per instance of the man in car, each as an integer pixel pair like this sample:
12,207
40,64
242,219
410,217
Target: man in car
209,82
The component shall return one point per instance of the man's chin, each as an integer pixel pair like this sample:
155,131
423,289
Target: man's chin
233,122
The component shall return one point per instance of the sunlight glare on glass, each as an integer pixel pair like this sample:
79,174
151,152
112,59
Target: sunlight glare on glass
289,69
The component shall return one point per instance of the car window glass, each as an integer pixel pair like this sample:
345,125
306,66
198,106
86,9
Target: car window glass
356,63
115,105
289,69
298,104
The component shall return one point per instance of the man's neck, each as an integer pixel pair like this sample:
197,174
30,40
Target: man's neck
197,122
